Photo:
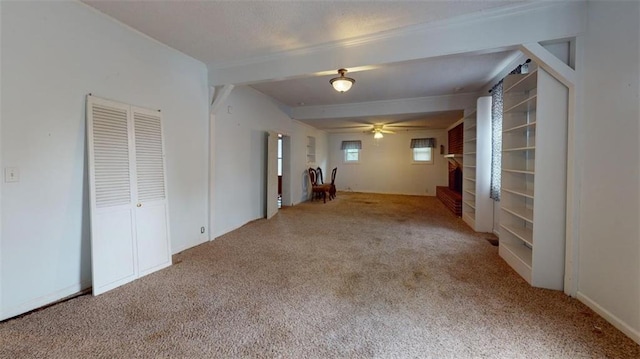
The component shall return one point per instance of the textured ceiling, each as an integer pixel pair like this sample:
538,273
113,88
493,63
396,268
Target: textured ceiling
221,32
430,77
224,33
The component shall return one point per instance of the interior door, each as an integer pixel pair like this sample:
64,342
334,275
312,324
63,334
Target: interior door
113,242
272,174
129,210
152,210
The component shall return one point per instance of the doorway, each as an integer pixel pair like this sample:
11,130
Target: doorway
279,170
277,184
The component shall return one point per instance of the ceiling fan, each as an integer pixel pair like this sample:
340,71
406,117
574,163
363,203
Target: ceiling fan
373,127
378,130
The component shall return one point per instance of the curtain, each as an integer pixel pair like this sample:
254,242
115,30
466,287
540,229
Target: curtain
496,140
423,142
496,132
351,145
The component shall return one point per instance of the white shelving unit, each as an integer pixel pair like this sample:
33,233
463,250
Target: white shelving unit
477,207
311,150
533,196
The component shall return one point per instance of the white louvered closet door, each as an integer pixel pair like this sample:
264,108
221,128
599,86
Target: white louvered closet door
129,212
152,212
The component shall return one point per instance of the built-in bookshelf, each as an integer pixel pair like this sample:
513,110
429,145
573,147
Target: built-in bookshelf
311,150
477,207
533,195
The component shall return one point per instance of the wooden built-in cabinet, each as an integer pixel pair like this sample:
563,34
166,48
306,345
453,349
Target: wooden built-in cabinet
533,195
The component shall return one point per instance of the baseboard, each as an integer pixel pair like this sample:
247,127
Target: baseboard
191,245
497,233
608,316
43,300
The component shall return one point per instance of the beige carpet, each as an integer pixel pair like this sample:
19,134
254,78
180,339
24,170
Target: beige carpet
363,276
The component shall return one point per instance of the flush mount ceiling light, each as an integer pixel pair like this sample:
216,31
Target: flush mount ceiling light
342,83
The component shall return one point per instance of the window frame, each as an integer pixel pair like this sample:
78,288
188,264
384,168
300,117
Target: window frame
420,162
346,151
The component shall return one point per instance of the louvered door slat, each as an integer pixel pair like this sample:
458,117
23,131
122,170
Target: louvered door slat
149,157
111,156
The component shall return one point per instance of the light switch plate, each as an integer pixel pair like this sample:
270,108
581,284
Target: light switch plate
11,174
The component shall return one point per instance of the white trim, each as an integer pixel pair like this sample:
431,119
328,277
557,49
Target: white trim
608,316
575,160
44,300
344,157
218,99
413,157
387,107
554,66
465,35
476,17
509,64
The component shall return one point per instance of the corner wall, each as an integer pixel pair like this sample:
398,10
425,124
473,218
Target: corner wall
386,164
240,157
53,54
609,248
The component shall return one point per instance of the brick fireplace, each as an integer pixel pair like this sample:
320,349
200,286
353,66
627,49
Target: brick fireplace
451,196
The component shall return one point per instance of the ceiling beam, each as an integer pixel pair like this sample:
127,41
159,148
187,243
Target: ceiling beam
485,31
387,107
550,63
219,96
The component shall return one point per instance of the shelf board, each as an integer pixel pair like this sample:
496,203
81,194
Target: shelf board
520,212
524,106
522,233
520,252
470,153
471,140
518,171
470,204
470,179
470,127
527,83
470,192
520,192
520,127
528,148
469,166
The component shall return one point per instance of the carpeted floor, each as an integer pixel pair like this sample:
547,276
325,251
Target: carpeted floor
363,276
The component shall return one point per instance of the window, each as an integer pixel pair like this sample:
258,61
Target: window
351,151
422,150
423,155
351,155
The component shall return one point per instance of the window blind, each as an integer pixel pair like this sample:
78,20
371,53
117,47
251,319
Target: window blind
351,145
423,142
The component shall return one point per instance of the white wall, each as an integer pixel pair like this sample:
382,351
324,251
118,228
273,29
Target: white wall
386,165
53,54
240,156
609,248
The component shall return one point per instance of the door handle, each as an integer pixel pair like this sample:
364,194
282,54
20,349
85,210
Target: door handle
139,205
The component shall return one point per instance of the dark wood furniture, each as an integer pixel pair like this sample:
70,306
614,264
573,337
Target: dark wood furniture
318,190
